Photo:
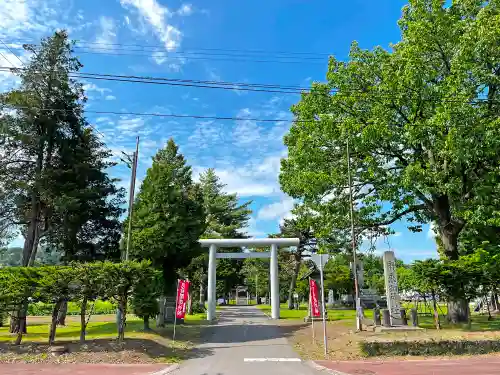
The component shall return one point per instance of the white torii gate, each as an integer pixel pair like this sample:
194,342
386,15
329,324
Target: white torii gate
213,244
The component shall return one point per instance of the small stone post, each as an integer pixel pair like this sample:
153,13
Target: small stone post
376,316
386,318
404,318
414,317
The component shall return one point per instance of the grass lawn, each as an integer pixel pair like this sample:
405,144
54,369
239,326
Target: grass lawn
140,346
333,314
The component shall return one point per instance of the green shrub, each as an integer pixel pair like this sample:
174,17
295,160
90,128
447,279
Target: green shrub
196,308
429,347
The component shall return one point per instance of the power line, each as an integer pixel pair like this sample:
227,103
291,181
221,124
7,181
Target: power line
178,56
22,64
167,115
162,47
251,86
231,85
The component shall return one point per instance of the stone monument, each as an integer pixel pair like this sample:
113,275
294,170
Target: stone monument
331,298
391,288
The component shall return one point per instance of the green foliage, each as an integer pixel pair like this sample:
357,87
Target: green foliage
168,215
48,286
146,293
224,218
429,347
338,276
55,184
421,122
98,307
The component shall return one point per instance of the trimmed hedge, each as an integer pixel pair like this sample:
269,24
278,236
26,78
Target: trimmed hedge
74,308
429,347
49,287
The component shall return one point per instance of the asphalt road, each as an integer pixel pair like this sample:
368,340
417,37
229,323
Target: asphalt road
244,342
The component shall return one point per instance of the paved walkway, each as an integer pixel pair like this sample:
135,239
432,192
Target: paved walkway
245,342
464,366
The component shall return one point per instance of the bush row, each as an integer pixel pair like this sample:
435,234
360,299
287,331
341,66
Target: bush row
80,283
74,308
429,347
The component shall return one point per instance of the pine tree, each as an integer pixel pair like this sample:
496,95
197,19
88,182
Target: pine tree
168,215
60,195
225,218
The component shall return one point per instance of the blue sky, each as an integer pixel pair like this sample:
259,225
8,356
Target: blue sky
245,154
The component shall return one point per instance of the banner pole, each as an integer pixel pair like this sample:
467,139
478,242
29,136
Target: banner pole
175,312
311,310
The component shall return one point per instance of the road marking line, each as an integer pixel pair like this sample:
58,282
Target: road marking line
271,359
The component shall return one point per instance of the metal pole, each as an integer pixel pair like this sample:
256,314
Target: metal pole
325,341
256,288
131,195
175,312
356,286
310,311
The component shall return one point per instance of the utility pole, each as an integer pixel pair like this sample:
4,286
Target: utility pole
355,264
135,156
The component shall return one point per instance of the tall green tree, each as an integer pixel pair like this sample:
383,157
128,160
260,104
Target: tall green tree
46,119
89,229
421,122
296,228
168,215
56,174
225,218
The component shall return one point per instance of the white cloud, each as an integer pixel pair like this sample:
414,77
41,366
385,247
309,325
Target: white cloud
185,10
250,179
110,97
89,87
107,33
252,229
15,15
156,16
130,124
278,210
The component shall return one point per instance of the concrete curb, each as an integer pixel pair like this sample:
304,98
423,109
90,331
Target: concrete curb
166,370
318,367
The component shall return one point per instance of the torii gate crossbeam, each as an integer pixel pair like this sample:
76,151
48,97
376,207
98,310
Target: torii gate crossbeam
213,244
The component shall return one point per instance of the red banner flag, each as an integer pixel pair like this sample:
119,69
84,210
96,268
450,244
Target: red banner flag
313,290
182,296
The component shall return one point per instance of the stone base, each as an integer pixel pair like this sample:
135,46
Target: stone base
398,329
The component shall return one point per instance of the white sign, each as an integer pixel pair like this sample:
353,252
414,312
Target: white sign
391,288
320,259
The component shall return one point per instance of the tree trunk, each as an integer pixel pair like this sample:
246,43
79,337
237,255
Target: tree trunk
293,282
202,295
458,308
122,306
18,319
53,323
145,320
486,300
22,328
83,319
458,311
435,310
160,319
61,316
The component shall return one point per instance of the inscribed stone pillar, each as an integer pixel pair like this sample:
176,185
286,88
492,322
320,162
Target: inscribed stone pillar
391,288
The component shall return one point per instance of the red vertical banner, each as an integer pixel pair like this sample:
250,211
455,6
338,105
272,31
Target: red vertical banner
313,290
182,297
